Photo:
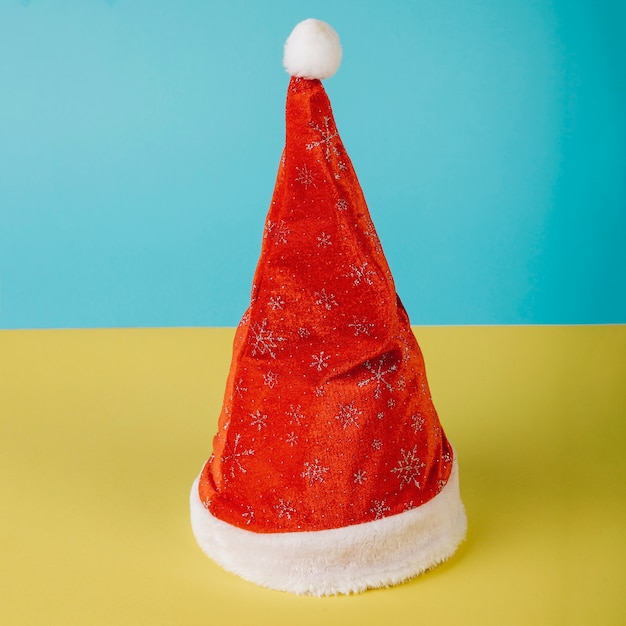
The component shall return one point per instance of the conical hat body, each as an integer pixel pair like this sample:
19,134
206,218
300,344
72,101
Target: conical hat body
327,419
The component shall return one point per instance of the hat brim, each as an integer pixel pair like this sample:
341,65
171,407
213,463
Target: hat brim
344,560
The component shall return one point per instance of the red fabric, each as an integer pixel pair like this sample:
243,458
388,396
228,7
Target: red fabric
327,418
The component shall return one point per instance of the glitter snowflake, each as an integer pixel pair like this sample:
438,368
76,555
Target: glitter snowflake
406,351
327,300
401,383
360,477
361,326
284,509
248,515
276,303
258,419
377,374
303,333
295,413
342,204
377,444
417,422
323,241
409,468
319,361
291,439
235,455
373,236
263,340
326,140
270,379
239,388
305,177
314,472
360,274
348,415
379,508
277,231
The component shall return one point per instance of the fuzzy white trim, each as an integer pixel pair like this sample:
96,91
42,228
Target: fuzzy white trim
312,50
341,560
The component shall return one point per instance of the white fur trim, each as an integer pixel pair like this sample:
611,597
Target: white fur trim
341,560
312,50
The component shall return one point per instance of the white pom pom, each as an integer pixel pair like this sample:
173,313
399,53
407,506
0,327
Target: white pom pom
312,50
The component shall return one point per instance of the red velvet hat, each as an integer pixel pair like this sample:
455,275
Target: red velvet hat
330,471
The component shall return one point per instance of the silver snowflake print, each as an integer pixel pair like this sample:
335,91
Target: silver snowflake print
417,422
380,415
319,392
234,457
326,141
277,231
314,472
327,300
239,388
305,177
270,379
258,419
379,508
391,403
377,374
284,509
401,383
370,231
447,457
440,484
319,361
361,274
406,351
276,303
303,333
323,241
291,439
360,477
348,415
377,444
360,326
342,204
409,505
248,515
295,413
263,340
409,468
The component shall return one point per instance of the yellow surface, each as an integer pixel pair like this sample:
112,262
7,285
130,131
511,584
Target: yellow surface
103,431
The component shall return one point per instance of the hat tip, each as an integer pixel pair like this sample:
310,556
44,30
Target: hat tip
312,50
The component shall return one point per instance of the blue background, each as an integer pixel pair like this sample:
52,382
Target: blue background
139,142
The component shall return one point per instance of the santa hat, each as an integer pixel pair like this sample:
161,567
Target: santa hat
330,471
